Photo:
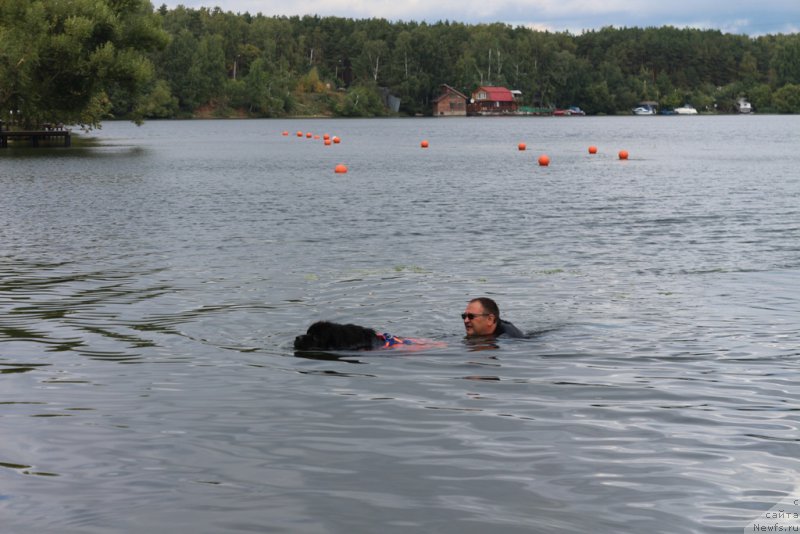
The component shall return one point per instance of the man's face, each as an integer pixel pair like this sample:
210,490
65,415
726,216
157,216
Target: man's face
477,322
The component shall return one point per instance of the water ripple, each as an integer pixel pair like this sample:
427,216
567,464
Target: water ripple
149,299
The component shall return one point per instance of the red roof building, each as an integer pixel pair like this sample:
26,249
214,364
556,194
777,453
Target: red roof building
489,100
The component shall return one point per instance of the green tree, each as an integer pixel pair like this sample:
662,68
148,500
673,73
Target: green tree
748,68
159,103
59,60
760,97
598,99
208,72
362,101
268,92
174,68
786,61
787,98
310,83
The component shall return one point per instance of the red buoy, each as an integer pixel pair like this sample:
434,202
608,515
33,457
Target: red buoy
299,134
522,146
308,135
285,133
340,169
424,144
326,136
592,149
544,161
327,142
336,140
623,154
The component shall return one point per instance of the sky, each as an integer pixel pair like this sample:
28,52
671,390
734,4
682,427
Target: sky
748,17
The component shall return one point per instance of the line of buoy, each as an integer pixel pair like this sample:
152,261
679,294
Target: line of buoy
309,135
543,160
327,141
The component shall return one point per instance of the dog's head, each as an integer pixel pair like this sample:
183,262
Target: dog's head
324,335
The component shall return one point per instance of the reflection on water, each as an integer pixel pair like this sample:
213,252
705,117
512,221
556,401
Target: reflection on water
73,310
656,390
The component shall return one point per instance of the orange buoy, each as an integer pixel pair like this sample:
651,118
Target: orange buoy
592,149
308,135
336,140
316,137
424,144
299,134
285,133
544,161
340,169
327,142
522,146
326,136
623,154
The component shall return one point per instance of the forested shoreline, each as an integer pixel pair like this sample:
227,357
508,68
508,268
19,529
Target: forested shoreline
90,60
270,66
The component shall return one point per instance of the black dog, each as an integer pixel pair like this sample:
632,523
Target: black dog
324,335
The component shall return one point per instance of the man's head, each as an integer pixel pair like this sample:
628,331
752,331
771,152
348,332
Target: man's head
481,317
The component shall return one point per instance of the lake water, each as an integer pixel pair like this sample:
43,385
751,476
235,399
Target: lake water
152,282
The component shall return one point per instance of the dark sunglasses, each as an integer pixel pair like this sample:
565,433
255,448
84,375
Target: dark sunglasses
471,316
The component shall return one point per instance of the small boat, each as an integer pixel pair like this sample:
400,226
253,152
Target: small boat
685,109
743,106
644,110
570,111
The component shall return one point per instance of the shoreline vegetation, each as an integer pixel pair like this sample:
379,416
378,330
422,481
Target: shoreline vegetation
235,65
85,61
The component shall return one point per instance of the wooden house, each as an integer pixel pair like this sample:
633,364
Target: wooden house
450,103
489,100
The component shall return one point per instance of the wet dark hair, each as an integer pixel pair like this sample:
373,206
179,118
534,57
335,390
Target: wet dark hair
489,306
324,335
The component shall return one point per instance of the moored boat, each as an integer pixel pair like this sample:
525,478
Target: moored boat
685,109
644,110
743,106
570,111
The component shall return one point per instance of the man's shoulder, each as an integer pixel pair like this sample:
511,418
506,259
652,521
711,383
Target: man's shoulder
508,329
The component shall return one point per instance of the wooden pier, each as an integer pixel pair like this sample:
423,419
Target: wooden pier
36,136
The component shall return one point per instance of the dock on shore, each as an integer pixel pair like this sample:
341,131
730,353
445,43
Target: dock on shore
35,136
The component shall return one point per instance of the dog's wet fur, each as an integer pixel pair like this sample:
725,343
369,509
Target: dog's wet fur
324,335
